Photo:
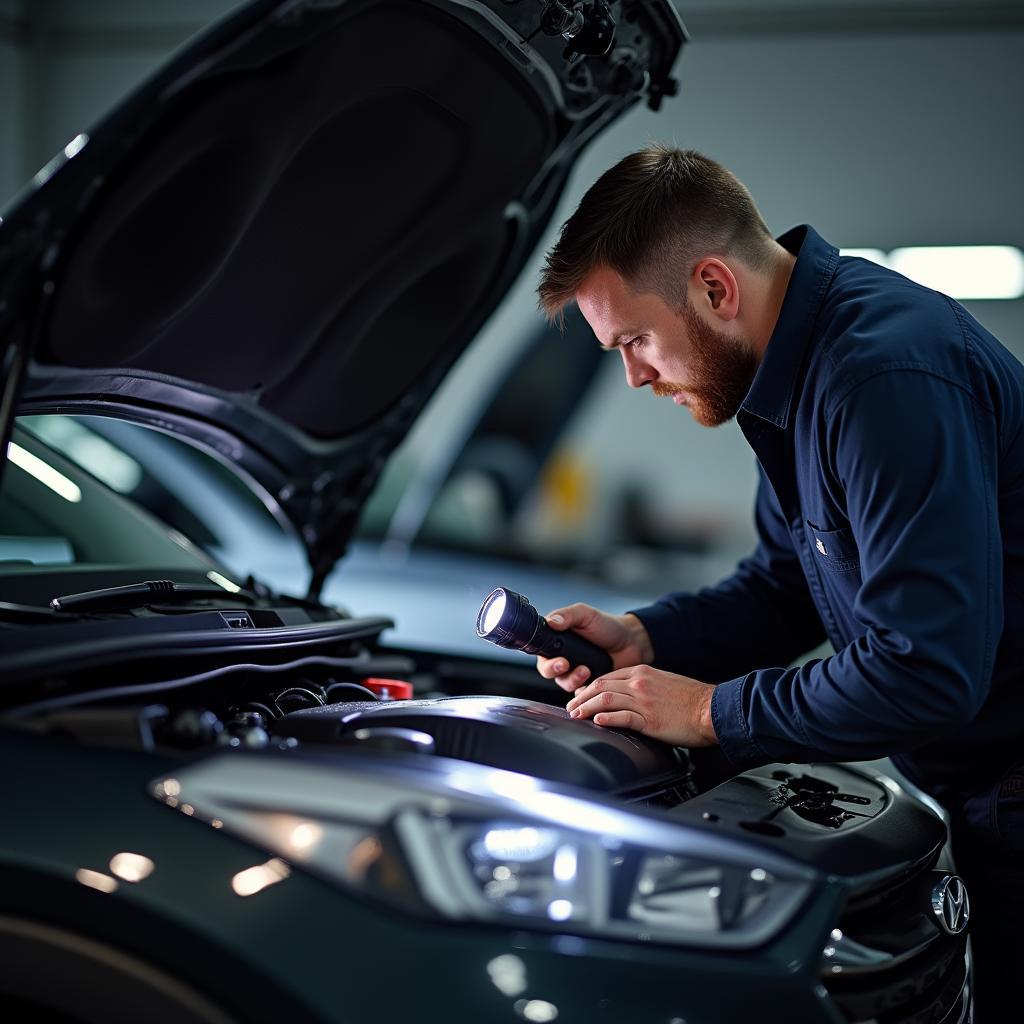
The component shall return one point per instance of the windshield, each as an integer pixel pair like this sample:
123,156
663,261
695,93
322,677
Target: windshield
195,502
52,513
61,530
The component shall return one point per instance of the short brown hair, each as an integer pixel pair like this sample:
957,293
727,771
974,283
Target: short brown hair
651,217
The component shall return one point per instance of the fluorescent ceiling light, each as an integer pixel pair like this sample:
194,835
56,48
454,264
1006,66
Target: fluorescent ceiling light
44,473
960,271
964,271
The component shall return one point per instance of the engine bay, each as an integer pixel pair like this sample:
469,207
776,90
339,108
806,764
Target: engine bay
329,688
508,733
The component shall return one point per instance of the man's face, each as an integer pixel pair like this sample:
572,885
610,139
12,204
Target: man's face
677,352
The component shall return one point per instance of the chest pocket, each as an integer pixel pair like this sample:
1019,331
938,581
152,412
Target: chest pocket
836,550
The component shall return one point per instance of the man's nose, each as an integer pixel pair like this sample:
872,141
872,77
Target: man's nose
638,373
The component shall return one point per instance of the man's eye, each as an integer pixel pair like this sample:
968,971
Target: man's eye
637,341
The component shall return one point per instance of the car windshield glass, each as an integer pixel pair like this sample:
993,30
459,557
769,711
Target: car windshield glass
192,503
54,518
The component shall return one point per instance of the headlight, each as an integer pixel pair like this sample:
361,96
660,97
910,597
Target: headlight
551,861
563,878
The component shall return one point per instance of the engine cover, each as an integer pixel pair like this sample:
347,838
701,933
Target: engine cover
517,735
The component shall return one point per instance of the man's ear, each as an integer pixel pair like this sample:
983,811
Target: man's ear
716,288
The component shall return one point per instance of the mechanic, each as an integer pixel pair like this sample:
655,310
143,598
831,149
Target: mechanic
888,427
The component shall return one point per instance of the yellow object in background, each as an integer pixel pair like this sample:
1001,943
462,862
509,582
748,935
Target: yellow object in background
566,490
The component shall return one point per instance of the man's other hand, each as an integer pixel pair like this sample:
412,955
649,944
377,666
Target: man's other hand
622,636
675,709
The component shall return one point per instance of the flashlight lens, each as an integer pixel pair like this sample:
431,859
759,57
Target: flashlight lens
494,611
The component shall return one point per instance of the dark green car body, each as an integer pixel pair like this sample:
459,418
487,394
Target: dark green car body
303,949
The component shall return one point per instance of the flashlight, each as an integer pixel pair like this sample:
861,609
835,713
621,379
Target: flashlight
509,620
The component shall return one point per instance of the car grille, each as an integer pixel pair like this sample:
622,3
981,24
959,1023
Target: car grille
924,990
892,963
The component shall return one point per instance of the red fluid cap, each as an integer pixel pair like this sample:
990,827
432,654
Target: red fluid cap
390,689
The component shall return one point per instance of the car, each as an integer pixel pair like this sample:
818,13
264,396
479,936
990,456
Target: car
229,803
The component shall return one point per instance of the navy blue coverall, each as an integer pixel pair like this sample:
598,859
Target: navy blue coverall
888,426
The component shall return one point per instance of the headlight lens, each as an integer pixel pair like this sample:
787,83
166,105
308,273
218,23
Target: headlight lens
680,893
534,875
532,872
504,870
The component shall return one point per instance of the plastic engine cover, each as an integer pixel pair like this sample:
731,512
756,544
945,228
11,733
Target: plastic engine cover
506,732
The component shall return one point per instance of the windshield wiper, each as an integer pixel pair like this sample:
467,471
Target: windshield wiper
27,613
138,595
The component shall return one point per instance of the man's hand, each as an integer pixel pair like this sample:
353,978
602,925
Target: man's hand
622,636
675,709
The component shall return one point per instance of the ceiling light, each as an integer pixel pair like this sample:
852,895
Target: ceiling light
964,271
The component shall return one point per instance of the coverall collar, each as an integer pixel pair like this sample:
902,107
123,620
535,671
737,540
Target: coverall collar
770,397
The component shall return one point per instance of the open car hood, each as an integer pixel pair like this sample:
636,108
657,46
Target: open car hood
279,244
